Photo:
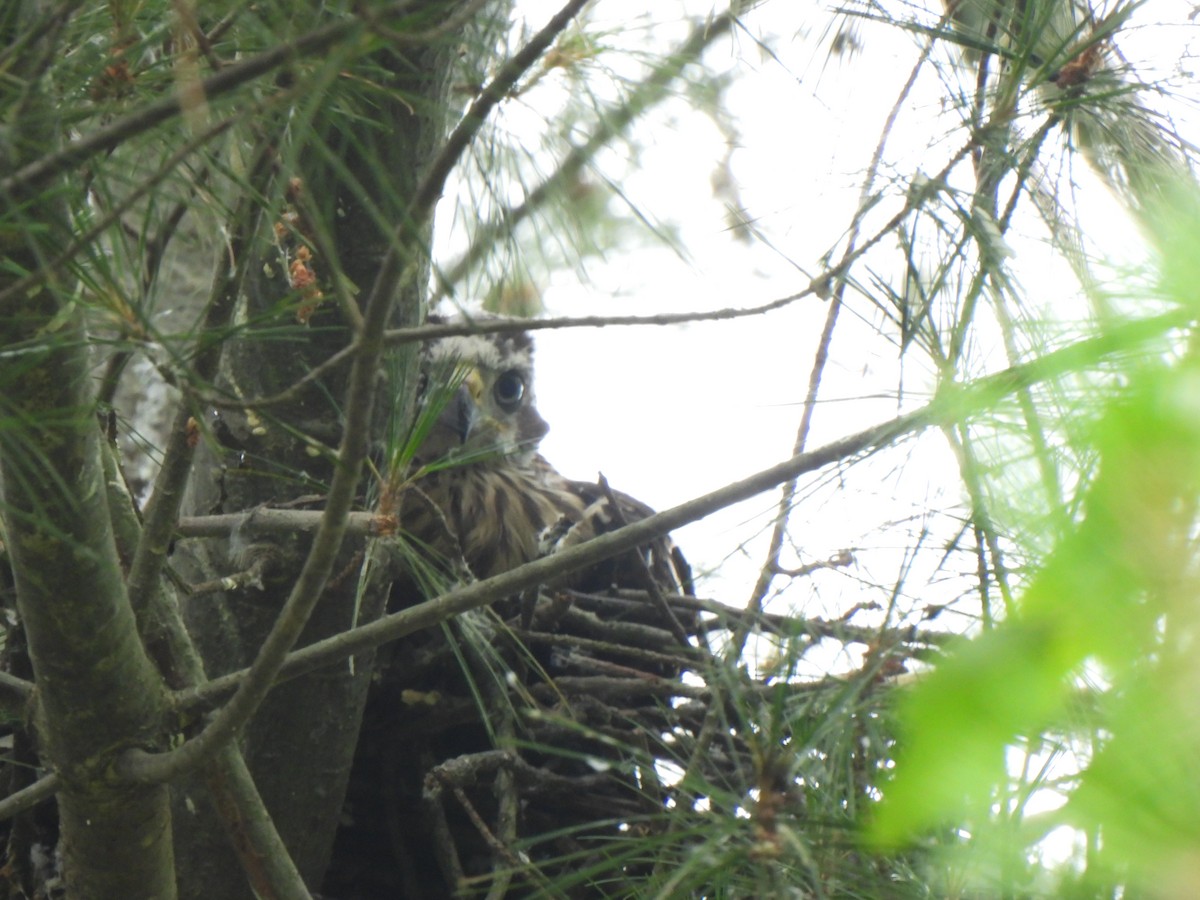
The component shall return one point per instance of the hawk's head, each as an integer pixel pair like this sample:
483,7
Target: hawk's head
483,384
487,497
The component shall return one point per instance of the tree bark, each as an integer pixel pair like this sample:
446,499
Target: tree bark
342,188
98,692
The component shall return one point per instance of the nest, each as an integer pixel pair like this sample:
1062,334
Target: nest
519,745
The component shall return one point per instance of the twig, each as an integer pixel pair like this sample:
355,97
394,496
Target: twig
187,19
839,560
620,687
50,21
648,577
455,20
269,868
140,766
819,286
42,789
251,577
444,847
498,847
817,629
651,657
156,246
787,496
15,693
255,840
396,336
508,800
399,336
572,559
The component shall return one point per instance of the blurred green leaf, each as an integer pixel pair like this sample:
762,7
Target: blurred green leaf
1114,597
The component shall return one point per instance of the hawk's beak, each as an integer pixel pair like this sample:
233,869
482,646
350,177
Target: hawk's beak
461,414
474,385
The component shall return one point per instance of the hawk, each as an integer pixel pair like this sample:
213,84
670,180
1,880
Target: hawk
489,498
479,496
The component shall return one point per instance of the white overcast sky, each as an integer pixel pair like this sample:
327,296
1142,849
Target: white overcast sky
670,413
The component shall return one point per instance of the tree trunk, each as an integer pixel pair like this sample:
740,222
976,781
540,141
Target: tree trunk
340,186
98,692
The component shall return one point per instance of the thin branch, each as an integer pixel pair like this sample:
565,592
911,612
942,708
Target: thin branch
819,286
96,685
1051,482
986,538
28,797
15,693
250,577
268,865
399,336
46,32
396,336
187,18
611,122
787,497
460,17
156,245
841,559
648,579
148,767
508,798
51,21
244,817
501,85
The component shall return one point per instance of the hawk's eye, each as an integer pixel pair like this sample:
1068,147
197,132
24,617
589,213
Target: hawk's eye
509,390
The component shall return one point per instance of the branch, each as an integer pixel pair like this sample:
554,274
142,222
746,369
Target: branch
50,21
819,285
771,567
264,857
97,690
505,326
268,866
275,521
42,789
15,694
